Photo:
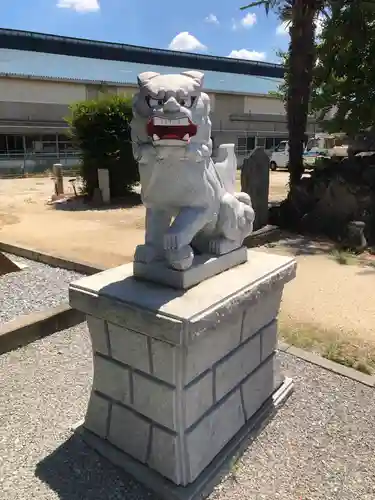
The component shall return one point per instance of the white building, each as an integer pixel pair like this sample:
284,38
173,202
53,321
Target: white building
36,89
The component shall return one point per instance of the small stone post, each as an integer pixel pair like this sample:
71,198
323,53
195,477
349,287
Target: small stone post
58,178
103,181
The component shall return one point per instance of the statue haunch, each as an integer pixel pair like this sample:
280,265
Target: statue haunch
190,200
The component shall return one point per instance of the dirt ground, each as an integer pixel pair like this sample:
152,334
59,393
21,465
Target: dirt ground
324,293
104,237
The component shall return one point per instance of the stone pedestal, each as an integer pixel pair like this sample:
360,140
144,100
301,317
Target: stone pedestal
180,377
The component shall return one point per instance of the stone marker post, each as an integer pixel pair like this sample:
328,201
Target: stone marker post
103,181
184,339
57,170
255,181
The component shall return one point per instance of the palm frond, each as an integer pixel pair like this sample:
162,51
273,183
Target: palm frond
268,4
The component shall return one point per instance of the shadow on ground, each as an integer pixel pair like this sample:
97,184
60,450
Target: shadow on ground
368,270
304,245
75,472
80,204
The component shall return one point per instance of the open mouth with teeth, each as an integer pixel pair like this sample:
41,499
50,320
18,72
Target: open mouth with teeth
176,130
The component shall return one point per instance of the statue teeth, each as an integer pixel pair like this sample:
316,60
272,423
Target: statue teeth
155,137
166,122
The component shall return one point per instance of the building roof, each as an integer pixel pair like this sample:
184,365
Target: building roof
82,69
46,43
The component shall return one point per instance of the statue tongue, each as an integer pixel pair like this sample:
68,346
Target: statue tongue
174,130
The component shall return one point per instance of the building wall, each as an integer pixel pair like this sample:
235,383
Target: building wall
40,91
31,111
30,101
264,105
247,121
232,113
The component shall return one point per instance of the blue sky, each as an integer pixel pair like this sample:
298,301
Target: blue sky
210,27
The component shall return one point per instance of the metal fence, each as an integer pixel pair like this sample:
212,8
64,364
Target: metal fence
20,164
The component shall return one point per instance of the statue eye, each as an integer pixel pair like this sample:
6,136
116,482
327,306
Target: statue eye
187,102
153,103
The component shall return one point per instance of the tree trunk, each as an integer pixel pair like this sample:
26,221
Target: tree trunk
300,74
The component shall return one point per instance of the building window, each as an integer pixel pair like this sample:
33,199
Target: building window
30,141
241,145
269,143
250,144
15,143
3,144
245,145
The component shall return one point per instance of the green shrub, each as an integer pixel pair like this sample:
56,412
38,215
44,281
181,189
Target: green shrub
101,130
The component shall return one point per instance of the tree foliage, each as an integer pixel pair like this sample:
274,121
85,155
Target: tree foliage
301,15
344,77
101,130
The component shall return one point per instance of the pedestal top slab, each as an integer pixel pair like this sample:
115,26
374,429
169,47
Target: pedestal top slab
115,295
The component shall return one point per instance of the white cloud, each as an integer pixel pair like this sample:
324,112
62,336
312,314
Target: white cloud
249,20
79,5
251,55
283,28
186,41
212,19
246,22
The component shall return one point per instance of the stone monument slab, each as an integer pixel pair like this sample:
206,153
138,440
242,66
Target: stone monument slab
255,180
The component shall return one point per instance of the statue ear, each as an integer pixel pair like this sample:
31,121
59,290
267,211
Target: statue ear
144,78
195,75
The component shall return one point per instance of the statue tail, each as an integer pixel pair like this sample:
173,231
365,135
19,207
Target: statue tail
243,198
226,166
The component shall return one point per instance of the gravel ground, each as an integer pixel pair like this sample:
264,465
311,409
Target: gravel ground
34,288
319,446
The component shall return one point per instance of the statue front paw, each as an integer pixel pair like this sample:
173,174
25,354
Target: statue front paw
147,254
181,259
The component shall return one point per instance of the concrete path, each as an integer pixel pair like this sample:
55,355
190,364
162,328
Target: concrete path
321,445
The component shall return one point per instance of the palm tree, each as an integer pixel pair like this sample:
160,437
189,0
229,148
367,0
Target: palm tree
301,16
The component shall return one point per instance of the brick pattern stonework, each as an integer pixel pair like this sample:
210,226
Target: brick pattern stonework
174,407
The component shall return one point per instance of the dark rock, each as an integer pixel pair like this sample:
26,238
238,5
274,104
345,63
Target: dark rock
331,197
355,239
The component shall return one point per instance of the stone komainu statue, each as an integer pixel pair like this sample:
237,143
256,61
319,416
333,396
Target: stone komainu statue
190,200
